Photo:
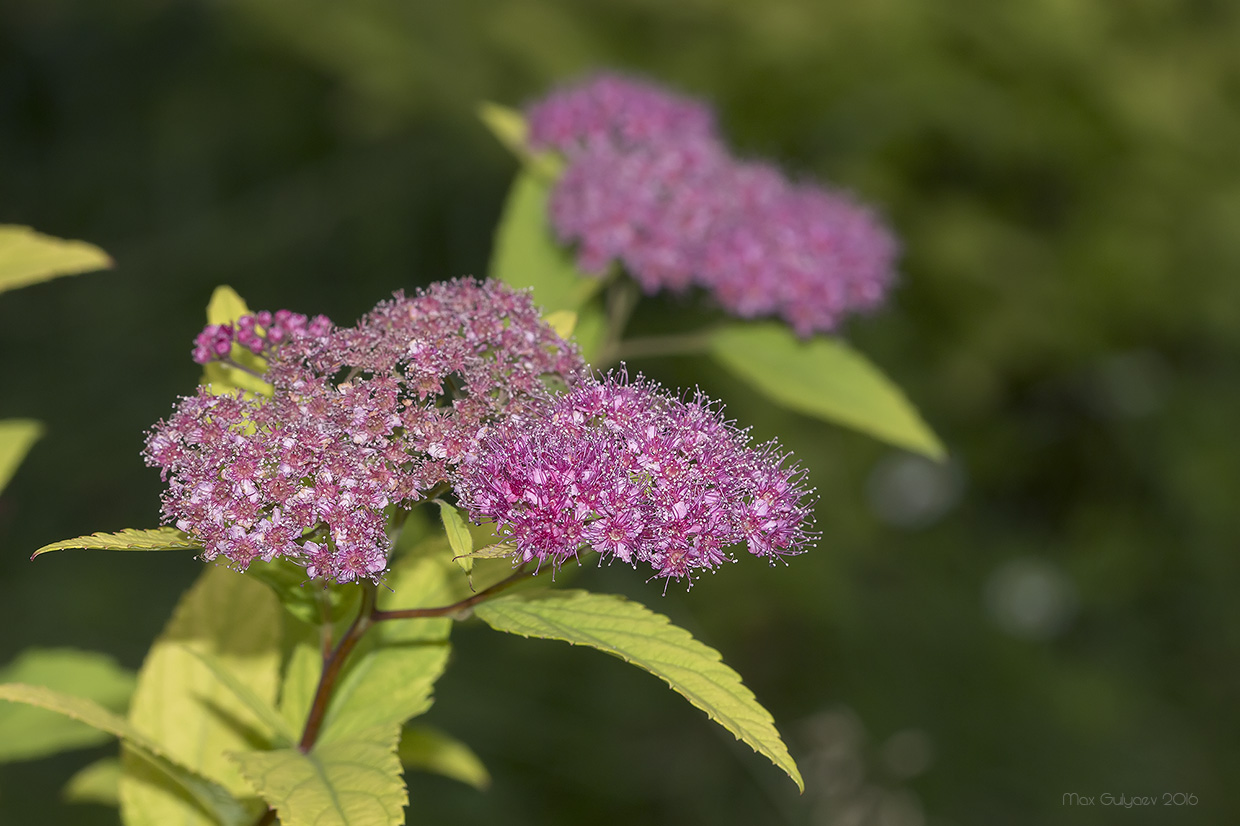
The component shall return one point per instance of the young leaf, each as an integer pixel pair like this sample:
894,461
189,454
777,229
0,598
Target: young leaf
355,781
96,783
824,378
648,640
130,539
208,802
28,732
430,750
510,128
526,253
225,307
391,674
457,531
17,436
181,702
28,257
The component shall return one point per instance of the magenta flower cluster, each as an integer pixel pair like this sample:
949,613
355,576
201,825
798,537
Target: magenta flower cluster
650,183
636,475
359,419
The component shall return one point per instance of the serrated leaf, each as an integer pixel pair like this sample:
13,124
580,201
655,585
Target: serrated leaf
355,781
650,641
510,129
181,703
28,732
526,253
225,307
96,783
28,257
430,750
130,539
17,436
212,804
825,378
391,674
457,531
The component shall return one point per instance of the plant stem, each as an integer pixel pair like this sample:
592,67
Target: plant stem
448,610
662,345
236,365
333,664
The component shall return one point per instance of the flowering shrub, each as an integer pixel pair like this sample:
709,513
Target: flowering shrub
308,458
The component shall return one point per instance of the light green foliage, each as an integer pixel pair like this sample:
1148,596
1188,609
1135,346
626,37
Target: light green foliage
96,783
309,600
459,539
825,378
28,732
225,307
129,539
354,781
17,436
182,703
428,749
280,734
28,257
206,801
527,255
509,127
648,640
390,675
563,322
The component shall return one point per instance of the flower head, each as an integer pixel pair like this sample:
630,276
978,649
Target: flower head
637,475
359,418
650,185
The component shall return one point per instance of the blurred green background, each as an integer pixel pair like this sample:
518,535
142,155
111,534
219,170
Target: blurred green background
1053,612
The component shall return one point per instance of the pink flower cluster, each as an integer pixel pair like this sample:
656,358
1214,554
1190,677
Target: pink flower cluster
637,475
360,418
650,184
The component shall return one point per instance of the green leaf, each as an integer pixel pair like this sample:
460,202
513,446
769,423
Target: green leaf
28,732
457,531
526,253
207,800
824,378
130,539
225,307
392,672
355,781
648,640
509,127
281,734
182,703
28,257
563,322
428,749
496,550
17,436
96,783
309,600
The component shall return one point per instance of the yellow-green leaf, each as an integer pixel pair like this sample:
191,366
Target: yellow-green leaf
96,783
182,703
457,531
130,539
430,750
28,257
28,732
648,640
355,781
825,378
17,436
212,804
563,322
225,307
526,253
509,127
